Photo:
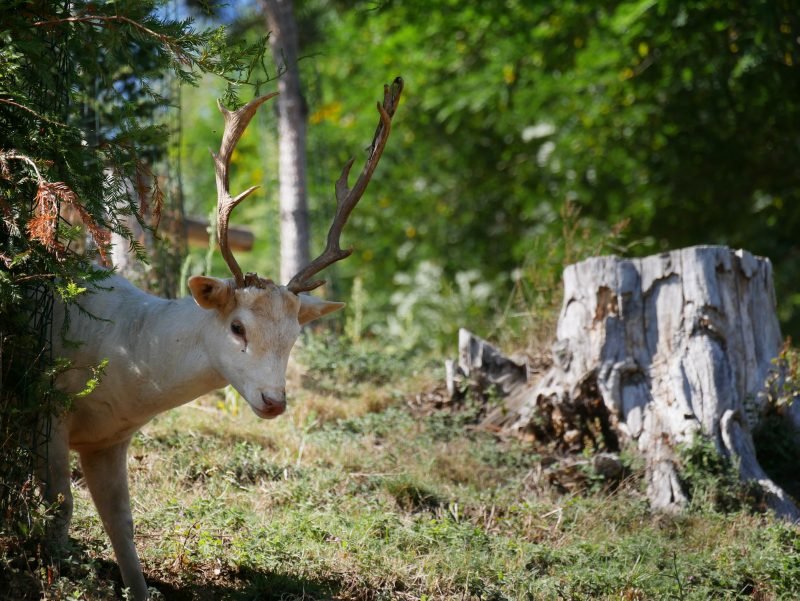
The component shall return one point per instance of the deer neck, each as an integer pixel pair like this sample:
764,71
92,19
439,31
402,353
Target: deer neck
157,350
180,365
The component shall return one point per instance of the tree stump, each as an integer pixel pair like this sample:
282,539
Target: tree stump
674,344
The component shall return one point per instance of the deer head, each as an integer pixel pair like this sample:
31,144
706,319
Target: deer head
256,320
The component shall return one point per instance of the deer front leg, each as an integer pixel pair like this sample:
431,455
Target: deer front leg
106,474
54,472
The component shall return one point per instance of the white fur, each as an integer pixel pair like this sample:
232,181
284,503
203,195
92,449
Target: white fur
161,354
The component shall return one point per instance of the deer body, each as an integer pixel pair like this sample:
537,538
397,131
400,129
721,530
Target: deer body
163,353
158,358
153,348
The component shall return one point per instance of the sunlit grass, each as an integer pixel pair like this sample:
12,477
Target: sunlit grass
367,501
383,505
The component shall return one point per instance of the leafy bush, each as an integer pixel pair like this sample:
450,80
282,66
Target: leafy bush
712,480
427,308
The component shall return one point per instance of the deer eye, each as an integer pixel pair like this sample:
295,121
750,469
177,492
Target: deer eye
237,328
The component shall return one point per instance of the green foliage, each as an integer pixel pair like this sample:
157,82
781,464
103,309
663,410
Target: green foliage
94,380
335,364
675,115
785,389
426,309
80,579
712,480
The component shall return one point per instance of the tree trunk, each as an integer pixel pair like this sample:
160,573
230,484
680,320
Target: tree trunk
672,345
292,115
123,258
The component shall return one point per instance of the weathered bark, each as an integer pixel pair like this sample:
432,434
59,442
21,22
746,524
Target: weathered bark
292,116
479,359
674,345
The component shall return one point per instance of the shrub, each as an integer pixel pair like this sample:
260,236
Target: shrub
712,481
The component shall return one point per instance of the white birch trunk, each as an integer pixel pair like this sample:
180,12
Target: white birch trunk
294,220
677,344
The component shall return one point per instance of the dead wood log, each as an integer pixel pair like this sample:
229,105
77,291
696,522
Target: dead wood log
481,361
672,346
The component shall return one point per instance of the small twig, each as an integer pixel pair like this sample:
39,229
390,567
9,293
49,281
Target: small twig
31,111
677,576
300,452
38,276
21,157
557,511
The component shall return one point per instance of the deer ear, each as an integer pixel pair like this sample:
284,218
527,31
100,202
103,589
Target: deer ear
211,293
312,308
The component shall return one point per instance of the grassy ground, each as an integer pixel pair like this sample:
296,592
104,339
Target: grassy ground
353,497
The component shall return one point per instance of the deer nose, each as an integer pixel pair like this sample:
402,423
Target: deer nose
274,405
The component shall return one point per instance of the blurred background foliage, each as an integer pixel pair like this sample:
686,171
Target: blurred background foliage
531,134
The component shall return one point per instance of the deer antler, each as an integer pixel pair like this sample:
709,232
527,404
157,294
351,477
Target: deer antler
235,124
347,198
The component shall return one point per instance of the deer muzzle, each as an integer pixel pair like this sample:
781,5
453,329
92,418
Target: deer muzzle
271,405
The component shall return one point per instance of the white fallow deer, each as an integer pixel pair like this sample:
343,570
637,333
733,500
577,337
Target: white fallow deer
164,353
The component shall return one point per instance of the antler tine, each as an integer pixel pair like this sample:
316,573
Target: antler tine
347,198
236,123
